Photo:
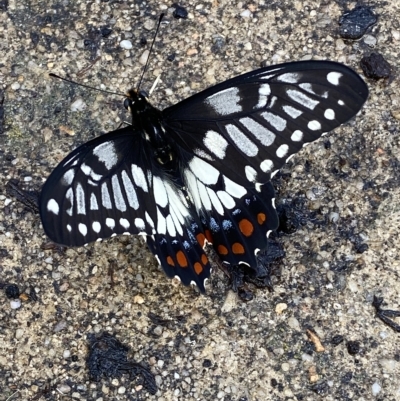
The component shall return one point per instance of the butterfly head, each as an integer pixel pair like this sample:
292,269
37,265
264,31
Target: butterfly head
136,101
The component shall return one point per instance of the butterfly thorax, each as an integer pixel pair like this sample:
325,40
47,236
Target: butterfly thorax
148,120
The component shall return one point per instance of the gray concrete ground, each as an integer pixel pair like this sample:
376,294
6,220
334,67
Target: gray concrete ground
201,347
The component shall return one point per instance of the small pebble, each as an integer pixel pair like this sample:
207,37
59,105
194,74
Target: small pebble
376,388
143,58
19,333
245,14
64,388
285,367
15,303
126,44
158,330
15,86
121,390
78,105
279,308
66,354
369,40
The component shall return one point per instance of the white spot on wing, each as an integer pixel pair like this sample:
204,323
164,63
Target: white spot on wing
110,223
314,125
52,206
70,196
297,136
333,78
266,165
149,220
264,135
68,177
82,228
80,200
233,188
106,154
140,224
96,226
139,177
276,121
205,200
329,114
251,174
225,102
204,171
292,111
130,190
215,143
289,78
69,228
93,202
340,102
215,201
282,151
244,144
226,199
264,91
161,223
302,99
170,226
105,196
124,223
160,194
118,197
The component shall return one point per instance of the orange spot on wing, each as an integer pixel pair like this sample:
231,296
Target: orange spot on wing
246,228
261,217
200,239
208,236
170,261
237,248
204,259
181,258
222,250
198,268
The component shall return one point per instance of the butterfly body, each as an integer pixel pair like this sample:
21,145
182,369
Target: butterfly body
199,172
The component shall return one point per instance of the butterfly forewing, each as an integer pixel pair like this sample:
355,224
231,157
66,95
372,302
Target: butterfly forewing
250,125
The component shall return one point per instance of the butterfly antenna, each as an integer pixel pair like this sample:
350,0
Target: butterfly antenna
85,86
151,48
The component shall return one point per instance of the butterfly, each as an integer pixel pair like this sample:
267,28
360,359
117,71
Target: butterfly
199,172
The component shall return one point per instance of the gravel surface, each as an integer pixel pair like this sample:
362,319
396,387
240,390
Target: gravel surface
316,336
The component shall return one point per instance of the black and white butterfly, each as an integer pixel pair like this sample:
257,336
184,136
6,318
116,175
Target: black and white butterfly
199,172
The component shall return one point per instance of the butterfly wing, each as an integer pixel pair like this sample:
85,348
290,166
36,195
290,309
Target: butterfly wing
247,127
110,186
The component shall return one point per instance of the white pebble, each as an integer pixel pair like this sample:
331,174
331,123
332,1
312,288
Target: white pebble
19,333
245,14
376,388
66,354
293,323
27,179
285,367
247,46
15,86
143,58
78,105
63,388
369,40
15,303
126,44
121,390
